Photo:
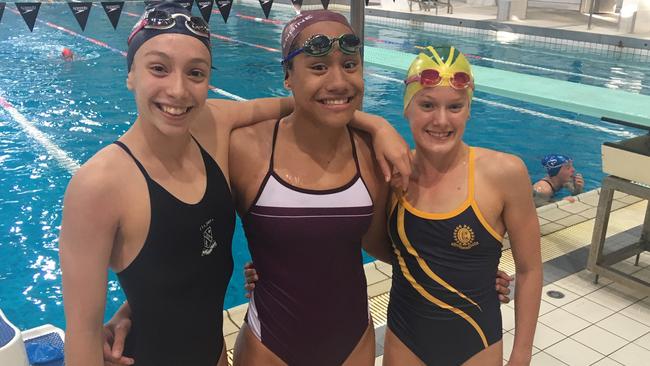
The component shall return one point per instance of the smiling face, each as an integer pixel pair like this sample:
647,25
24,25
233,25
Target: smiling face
438,117
169,77
326,89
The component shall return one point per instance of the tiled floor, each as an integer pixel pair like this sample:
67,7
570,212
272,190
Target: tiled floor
592,324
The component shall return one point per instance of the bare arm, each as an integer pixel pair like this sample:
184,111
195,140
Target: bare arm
520,218
241,114
86,241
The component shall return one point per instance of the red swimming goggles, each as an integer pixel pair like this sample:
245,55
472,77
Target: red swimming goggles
160,19
431,77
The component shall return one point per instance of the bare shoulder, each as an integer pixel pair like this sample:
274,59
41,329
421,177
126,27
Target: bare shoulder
363,142
500,167
543,187
250,149
252,140
101,177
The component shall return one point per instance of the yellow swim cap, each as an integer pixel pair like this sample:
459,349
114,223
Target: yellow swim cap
447,60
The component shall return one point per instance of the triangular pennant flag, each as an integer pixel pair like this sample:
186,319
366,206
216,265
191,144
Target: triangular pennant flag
29,11
81,12
186,4
266,7
113,10
325,3
147,3
368,2
2,10
205,6
297,4
224,8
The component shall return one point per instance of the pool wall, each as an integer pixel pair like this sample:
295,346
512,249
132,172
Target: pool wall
616,46
610,45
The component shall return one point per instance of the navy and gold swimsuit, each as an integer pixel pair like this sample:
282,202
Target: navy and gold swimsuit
443,303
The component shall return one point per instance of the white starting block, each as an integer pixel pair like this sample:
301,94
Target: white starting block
13,342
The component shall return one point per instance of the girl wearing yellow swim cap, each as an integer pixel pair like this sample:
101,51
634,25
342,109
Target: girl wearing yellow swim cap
447,231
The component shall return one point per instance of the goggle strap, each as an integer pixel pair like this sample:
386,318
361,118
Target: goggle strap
292,54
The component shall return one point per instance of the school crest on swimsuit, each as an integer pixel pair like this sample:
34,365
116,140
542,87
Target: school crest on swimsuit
464,237
208,240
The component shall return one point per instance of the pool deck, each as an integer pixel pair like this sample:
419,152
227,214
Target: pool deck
593,324
536,17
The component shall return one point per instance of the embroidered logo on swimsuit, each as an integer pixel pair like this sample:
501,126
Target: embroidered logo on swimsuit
208,241
464,237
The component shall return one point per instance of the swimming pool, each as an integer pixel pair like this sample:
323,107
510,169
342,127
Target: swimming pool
56,115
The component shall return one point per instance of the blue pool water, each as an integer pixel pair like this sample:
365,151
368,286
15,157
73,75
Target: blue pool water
82,106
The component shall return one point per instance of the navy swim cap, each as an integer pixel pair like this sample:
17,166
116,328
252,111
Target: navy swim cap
166,17
554,162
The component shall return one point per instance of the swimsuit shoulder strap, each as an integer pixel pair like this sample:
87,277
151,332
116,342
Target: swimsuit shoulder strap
137,162
548,181
275,137
354,151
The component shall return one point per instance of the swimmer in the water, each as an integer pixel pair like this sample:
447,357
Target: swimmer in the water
560,173
67,54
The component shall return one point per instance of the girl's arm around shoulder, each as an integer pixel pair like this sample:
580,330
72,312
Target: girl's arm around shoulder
375,241
220,117
89,225
237,114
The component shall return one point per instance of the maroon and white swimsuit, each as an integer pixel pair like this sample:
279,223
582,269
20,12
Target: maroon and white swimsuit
310,304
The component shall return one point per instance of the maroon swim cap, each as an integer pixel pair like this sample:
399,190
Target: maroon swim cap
304,20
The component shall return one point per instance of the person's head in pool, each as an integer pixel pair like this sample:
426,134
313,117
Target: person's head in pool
437,98
169,60
322,65
67,54
559,165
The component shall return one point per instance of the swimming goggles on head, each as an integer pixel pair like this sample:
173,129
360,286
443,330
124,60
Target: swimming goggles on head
160,19
432,77
320,45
